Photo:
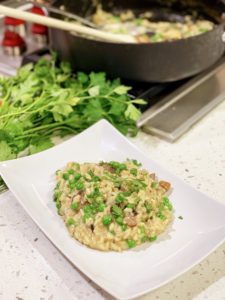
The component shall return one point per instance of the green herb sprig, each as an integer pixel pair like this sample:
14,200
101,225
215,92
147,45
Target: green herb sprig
46,100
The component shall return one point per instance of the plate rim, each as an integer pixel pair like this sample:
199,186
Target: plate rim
83,270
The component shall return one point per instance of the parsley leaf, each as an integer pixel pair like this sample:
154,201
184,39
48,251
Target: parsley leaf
46,100
6,151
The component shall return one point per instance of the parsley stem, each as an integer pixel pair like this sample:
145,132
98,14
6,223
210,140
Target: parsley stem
43,127
19,112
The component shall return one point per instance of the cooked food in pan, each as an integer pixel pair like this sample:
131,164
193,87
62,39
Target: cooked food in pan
112,205
147,31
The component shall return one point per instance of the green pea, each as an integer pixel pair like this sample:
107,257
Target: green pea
71,171
101,207
77,176
106,220
65,176
79,186
131,243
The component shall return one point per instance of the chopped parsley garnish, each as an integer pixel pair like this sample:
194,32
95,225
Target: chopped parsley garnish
161,216
117,211
131,205
144,239
127,193
58,205
153,238
124,227
70,221
167,203
94,194
119,198
180,217
148,207
72,184
119,220
154,185
57,194
142,229
133,172
74,206
119,167
94,177
135,185
136,163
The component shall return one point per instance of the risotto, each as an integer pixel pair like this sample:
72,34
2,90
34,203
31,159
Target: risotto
146,30
112,205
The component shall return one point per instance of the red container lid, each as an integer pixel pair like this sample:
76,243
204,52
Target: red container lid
37,10
37,28
13,21
12,39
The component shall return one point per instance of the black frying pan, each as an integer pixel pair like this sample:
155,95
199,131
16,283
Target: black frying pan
152,62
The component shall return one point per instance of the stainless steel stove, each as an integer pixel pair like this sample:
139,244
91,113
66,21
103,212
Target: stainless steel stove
172,108
181,108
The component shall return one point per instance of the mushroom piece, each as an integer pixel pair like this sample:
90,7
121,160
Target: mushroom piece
130,221
165,185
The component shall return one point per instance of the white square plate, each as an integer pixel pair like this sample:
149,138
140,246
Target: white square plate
137,271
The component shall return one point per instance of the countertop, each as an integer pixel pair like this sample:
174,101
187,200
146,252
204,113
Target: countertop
31,268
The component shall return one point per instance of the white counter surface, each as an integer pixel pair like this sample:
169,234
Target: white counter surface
31,268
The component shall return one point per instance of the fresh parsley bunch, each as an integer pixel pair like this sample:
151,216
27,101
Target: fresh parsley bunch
46,100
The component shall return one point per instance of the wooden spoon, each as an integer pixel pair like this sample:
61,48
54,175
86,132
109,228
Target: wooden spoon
67,26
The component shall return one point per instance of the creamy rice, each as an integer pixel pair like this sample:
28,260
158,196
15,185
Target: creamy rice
147,31
112,205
